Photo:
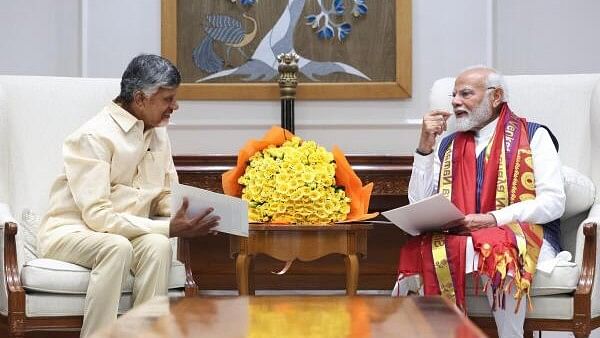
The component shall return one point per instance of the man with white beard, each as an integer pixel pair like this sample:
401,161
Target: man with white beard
503,173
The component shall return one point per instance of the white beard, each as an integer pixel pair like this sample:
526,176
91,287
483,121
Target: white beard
477,118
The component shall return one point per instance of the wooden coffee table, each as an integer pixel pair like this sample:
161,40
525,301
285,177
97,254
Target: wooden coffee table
300,242
298,316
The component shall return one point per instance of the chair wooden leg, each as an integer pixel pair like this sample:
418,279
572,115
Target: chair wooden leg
581,334
15,327
19,334
528,334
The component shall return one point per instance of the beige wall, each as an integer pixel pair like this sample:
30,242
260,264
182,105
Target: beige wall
98,38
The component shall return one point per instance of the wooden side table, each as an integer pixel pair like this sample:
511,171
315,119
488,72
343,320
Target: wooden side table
301,242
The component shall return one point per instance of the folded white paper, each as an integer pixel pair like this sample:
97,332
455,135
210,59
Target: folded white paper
428,214
232,210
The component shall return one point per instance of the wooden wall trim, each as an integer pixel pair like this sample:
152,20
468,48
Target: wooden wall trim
384,162
376,160
390,174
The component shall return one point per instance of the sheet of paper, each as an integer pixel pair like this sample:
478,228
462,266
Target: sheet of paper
232,210
428,214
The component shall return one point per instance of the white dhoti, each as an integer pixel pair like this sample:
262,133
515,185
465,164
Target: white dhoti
509,323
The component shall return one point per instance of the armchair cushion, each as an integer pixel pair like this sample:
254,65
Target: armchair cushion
580,191
55,305
549,307
54,276
562,280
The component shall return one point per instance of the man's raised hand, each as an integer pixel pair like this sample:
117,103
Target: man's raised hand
434,124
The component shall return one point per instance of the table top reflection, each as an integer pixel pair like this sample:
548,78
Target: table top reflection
294,316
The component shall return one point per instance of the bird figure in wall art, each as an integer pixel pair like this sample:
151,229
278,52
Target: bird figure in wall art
227,31
329,20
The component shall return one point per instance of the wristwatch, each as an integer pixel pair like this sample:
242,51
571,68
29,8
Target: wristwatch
422,153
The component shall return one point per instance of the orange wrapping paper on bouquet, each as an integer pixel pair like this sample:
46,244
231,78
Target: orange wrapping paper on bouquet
275,136
359,196
344,175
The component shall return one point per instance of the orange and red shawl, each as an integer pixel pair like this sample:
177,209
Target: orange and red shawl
344,175
509,248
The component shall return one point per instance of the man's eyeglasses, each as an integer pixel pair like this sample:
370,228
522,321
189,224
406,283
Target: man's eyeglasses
465,94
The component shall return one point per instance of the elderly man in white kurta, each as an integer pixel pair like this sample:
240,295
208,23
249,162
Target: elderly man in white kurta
503,172
117,175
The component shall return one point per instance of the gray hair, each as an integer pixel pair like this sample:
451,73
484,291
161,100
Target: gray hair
494,79
147,73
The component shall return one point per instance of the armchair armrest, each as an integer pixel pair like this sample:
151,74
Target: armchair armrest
15,293
11,267
5,215
582,303
585,304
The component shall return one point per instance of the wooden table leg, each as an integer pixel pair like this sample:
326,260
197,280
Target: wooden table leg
251,289
351,274
242,265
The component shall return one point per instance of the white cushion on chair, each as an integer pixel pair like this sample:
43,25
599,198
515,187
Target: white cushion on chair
579,190
551,307
54,304
562,280
54,276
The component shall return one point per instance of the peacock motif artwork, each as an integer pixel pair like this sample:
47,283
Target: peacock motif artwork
328,24
226,30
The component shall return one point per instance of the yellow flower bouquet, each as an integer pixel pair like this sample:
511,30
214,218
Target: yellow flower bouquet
288,180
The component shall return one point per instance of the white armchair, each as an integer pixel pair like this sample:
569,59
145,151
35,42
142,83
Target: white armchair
36,114
568,299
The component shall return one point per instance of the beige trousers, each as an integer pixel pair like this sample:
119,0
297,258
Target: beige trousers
111,258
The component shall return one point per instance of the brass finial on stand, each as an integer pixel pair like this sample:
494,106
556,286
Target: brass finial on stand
288,81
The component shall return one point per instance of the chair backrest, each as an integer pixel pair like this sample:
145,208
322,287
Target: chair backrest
561,102
36,114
